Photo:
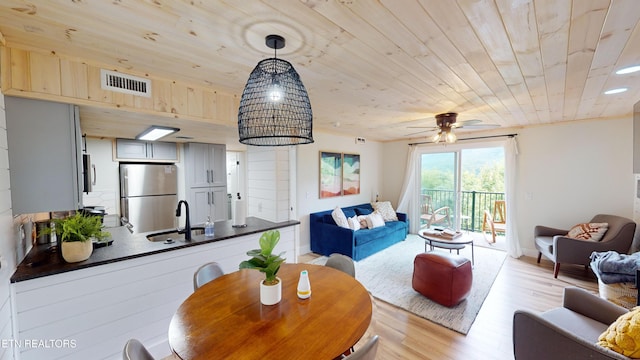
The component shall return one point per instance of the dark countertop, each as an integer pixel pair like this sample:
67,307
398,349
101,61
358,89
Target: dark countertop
41,261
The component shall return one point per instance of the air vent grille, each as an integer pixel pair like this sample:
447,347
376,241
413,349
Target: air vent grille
128,84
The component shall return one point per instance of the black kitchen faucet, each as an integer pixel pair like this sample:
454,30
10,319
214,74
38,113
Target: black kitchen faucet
187,225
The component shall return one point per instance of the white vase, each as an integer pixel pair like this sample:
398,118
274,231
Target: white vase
75,251
270,294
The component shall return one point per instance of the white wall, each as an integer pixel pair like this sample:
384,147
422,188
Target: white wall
7,245
567,173
308,186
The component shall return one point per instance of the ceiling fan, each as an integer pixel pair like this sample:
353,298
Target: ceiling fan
446,122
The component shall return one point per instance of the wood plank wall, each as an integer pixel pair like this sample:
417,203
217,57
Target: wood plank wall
47,76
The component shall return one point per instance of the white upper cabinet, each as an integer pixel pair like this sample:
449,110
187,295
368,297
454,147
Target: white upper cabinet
205,165
45,155
127,149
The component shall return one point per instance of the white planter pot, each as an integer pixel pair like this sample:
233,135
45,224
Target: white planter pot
76,251
270,294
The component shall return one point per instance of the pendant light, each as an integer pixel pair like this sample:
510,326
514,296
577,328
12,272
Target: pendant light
274,107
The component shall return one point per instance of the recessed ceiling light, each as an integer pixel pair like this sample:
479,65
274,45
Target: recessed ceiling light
628,70
615,91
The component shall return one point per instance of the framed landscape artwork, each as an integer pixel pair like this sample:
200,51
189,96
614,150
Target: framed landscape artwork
351,174
330,174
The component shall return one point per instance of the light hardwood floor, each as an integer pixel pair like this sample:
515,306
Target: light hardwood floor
521,284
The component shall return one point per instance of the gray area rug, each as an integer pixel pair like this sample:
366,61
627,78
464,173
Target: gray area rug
387,275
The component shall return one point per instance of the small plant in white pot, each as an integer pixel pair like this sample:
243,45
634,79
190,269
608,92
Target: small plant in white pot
75,234
268,263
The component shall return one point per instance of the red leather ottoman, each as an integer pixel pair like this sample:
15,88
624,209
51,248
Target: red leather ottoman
442,277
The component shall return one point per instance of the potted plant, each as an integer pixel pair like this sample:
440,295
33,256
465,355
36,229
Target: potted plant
268,263
75,234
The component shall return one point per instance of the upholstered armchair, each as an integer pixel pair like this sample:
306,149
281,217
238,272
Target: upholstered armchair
553,244
567,332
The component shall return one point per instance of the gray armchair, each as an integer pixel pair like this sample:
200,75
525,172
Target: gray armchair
554,245
568,332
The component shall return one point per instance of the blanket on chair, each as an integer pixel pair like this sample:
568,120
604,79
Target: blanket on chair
611,267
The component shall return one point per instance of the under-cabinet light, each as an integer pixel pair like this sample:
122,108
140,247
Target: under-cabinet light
156,132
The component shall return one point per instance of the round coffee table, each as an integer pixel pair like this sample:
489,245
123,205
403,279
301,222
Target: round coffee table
456,244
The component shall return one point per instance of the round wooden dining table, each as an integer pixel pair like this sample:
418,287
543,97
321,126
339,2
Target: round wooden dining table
224,318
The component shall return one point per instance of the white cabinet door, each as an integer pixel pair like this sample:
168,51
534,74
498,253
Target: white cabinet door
45,157
208,202
218,164
199,205
163,151
197,165
131,149
220,205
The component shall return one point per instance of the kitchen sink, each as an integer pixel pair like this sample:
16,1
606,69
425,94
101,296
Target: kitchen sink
170,236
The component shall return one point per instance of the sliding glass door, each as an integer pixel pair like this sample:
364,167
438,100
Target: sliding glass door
458,185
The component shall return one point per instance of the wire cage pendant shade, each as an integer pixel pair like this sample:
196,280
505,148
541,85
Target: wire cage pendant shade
274,108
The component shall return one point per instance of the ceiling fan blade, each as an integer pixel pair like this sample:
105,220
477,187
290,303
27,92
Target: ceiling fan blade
419,132
480,126
469,122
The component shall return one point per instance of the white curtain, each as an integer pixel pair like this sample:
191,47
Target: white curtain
511,154
407,203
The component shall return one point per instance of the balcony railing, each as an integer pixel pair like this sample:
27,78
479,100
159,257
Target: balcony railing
472,204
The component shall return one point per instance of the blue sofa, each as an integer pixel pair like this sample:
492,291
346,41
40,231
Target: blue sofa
328,238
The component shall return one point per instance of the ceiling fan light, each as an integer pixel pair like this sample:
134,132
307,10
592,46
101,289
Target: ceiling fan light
451,137
436,138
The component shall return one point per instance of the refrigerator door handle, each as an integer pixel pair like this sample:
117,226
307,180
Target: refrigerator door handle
125,202
125,182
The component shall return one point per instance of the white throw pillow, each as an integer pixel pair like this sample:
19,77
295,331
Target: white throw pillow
374,220
363,221
354,223
338,216
386,210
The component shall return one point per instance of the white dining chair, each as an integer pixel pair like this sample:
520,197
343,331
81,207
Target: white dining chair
206,273
342,263
134,350
366,352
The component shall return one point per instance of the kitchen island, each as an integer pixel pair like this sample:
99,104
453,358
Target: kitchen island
129,289
41,261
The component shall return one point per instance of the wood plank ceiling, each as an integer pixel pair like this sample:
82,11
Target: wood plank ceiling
372,68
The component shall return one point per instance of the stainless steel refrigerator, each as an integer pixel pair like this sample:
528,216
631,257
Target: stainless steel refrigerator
148,196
